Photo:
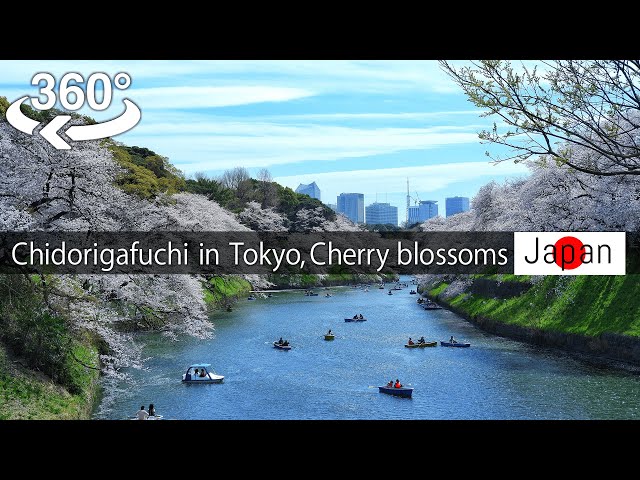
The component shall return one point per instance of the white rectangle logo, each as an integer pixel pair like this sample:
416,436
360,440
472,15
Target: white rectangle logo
569,253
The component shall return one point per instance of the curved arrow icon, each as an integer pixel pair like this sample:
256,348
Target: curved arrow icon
50,132
121,124
125,122
18,119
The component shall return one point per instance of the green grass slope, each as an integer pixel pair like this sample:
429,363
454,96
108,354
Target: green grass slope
220,291
29,395
587,305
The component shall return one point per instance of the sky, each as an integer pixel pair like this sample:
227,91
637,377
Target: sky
350,126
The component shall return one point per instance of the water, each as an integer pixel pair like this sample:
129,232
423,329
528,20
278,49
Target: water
494,379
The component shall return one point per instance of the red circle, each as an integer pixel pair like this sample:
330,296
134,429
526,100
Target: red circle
572,248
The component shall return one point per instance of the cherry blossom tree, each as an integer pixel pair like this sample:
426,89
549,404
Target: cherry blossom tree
44,189
584,114
263,219
553,197
47,189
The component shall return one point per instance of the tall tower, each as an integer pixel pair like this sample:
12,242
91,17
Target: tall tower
408,203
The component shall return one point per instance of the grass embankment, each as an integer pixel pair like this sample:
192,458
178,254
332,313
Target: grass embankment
29,395
222,291
586,305
48,369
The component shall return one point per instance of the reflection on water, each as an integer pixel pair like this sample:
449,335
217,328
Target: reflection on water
494,379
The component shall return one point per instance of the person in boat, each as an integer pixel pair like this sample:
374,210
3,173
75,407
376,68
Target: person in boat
398,384
196,373
280,342
355,317
361,317
452,340
285,343
142,414
410,342
390,384
421,340
152,410
329,332
202,373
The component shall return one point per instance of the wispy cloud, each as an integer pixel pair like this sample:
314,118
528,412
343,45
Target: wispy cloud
229,144
376,115
207,97
318,75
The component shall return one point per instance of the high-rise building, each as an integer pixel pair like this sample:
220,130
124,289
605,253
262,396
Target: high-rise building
312,190
352,206
422,212
456,205
381,214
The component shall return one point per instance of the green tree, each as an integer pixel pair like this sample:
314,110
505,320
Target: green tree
267,188
146,173
4,104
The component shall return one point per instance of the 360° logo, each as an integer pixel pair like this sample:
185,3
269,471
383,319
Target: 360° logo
72,97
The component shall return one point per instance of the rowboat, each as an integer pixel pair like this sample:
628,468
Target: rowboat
355,319
457,344
412,292
421,345
281,347
431,306
190,377
330,337
150,417
397,392
251,298
390,293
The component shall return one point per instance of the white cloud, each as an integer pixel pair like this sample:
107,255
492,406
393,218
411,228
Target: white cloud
206,97
376,115
21,71
381,76
229,144
175,98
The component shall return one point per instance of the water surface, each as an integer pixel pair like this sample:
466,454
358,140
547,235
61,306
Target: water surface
494,379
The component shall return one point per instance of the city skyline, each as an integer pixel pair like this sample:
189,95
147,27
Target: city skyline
398,199
402,212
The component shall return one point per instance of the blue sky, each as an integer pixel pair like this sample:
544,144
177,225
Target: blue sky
357,126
